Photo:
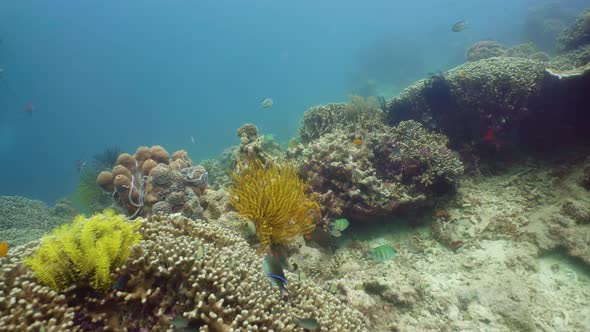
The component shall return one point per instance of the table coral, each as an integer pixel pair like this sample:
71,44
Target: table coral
495,94
223,289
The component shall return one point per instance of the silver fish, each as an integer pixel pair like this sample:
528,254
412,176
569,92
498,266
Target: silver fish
310,324
460,26
266,103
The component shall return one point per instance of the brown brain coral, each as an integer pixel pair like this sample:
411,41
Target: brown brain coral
196,270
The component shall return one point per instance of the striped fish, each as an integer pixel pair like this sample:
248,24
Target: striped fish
383,253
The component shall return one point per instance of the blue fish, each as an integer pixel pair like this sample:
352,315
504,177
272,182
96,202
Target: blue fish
274,271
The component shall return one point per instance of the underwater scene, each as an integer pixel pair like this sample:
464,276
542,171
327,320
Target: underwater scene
344,166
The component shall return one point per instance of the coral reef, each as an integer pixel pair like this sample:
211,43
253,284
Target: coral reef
576,35
23,220
392,168
151,181
84,252
217,176
200,272
274,198
544,23
501,103
252,145
528,51
349,117
485,49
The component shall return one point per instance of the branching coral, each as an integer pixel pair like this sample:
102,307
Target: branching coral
85,251
221,289
274,198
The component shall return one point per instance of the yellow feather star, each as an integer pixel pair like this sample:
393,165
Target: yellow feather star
274,199
85,251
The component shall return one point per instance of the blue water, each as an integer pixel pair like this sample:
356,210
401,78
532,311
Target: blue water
129,73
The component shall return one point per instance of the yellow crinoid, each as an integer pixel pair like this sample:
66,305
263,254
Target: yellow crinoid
274,198
85,252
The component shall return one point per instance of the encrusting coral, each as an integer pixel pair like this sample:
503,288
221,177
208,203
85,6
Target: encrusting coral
85,251
198,271
274,198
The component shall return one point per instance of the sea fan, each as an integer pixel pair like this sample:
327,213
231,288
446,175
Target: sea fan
107,159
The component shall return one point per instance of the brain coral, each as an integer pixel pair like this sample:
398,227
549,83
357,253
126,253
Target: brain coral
182,268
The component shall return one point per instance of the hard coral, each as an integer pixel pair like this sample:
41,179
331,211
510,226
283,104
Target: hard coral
496,93
85,251
393,168
222,289
576,35
274,199
485,49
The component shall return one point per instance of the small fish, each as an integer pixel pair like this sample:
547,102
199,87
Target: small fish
3,249
266,103
29,108
340,224
460,26
335,233
357,141
80,165
383,253
120,283
462,73
310,324
193,140
301,276
274,271
489,136
182,324
250,228
200,252
331,288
